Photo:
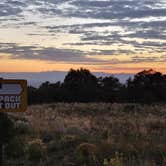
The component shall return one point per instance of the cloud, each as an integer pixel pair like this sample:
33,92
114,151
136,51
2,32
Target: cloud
32,52
136,24
117,9
47,54
121,33
11,8
111,52
140,59
50,54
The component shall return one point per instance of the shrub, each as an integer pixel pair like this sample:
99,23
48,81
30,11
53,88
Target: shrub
36,151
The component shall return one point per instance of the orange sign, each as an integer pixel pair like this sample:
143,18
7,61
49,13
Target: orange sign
13,95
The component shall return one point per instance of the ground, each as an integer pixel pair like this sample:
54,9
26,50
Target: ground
92,133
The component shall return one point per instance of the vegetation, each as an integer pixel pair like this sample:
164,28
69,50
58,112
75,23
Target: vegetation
93,134
84,123
80,85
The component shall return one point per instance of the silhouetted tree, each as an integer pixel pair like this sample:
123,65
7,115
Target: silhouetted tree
147,86
49,92
32,95
111,88
80,85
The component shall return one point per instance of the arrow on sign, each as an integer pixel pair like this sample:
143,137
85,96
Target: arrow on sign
10,89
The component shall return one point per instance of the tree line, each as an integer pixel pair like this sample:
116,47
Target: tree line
82,86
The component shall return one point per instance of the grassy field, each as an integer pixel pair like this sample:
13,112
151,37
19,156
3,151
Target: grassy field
94,134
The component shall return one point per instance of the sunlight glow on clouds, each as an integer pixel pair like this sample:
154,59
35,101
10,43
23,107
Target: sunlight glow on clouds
111,34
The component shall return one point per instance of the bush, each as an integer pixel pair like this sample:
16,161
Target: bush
36,151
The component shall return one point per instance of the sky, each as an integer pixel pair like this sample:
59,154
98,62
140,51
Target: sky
113,36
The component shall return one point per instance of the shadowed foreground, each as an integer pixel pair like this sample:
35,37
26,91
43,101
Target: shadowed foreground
92,134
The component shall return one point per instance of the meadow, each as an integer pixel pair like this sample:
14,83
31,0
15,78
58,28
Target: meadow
91,134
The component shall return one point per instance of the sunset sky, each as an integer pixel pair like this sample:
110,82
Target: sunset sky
113,36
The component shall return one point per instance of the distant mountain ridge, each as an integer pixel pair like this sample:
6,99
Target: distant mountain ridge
36,78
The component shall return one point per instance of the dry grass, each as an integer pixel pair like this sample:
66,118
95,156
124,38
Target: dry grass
137,131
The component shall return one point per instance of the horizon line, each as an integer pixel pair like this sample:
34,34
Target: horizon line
35,72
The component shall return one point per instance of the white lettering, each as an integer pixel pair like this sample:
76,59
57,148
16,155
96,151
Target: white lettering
17,105
10,98
7,99
7,105
10,102
11,105
18,99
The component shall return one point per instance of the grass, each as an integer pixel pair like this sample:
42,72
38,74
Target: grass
93,133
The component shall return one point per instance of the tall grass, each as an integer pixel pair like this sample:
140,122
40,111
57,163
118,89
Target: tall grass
138,132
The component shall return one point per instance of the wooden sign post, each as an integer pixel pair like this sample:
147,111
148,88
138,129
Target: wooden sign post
13,98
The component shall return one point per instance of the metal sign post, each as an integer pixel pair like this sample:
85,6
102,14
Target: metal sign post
13,98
